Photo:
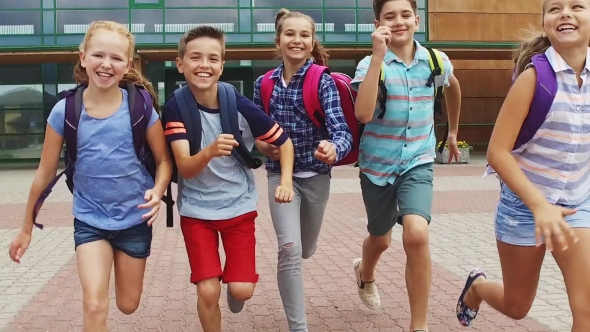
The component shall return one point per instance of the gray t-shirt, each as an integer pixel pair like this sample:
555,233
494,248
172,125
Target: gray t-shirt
225,189
110,181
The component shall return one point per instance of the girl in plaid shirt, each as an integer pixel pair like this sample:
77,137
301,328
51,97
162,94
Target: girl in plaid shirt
297,225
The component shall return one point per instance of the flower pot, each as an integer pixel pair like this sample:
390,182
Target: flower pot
443,158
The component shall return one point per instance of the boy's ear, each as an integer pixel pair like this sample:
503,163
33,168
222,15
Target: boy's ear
179,65
376,22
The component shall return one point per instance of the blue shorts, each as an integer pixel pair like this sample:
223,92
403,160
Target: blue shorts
515,223
134,242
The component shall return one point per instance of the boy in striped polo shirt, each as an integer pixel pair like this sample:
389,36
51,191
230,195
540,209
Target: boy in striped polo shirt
398,148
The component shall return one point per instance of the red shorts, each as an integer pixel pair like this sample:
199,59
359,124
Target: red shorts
201,238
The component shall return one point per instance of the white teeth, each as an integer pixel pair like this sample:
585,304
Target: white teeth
564,27
296,49
203,74
104,75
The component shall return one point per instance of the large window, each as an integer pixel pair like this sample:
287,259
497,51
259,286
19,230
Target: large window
64,22
22,111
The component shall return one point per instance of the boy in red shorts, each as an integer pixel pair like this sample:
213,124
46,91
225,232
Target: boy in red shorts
216,194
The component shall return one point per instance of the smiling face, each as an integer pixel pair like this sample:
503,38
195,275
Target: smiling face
566,22
105,58
295,41
202,62
399,16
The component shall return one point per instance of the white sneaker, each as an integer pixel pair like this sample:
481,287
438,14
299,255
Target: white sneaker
367,290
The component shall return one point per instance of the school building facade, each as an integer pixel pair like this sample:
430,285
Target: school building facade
39,46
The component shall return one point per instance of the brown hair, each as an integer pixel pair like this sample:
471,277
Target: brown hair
534,43
134,76
318,52
200,32
378,6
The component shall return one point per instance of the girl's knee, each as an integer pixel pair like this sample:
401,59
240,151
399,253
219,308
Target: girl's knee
95,308
209,291
127,306
290,253
517,311
241,291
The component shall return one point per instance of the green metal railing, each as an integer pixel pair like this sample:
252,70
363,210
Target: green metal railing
154,23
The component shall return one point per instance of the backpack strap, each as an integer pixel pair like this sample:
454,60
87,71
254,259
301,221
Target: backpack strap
545,91
267,86
435,61
228,113
382,93
140,116
191,117
436,69
311,97
73,109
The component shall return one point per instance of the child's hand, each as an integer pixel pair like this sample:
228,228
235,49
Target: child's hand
326,152
222,146
381,37
550,223
153,202
19,245
284,193
269,150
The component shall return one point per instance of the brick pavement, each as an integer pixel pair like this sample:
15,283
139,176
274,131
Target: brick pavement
43,294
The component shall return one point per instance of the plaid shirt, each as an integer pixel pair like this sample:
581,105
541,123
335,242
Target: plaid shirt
286,108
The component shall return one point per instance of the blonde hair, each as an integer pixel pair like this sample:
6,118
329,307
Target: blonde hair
318,52
134,76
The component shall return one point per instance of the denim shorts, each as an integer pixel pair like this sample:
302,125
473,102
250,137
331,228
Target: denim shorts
134,242
515,223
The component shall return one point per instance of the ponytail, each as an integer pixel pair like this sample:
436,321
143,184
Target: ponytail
319,53
134,76
537,43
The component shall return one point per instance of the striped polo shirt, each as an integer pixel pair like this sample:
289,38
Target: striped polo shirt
557,158
404,138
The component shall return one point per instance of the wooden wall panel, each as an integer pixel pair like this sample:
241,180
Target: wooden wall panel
479,110
482,64
480,26
484,83
485,6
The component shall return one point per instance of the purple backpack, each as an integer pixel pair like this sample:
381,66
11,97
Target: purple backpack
542,100
140,106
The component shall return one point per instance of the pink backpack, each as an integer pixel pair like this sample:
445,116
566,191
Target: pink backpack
313,105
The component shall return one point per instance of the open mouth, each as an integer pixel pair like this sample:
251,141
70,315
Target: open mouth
566,27
204,75
295,49
104,76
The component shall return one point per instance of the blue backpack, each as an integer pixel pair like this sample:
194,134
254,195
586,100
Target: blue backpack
191,117
140,109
